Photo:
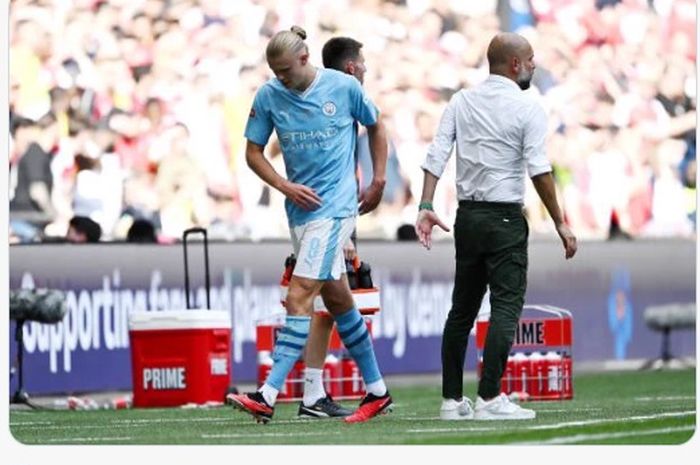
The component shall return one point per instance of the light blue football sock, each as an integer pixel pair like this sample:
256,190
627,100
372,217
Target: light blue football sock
356,339
288,348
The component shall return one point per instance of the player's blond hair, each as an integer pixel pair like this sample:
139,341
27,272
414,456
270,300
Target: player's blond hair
283,41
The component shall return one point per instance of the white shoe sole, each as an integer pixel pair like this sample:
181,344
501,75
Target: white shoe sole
315,416
526,415
451,415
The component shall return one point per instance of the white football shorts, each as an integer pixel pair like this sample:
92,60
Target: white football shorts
318,246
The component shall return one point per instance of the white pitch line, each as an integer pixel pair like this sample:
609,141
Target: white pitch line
563,410
661,398
556,425
432,418
189,420
566,410
113,424
31,423
139,423
123,423
599,436
436,417
615,420
268,435
136,422
90,439
235,419
74,427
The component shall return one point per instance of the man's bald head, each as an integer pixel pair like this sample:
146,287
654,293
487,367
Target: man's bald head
504,46
511,55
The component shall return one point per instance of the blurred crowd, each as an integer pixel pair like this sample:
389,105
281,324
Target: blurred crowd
131,112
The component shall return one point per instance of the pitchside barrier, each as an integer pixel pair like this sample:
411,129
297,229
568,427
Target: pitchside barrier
540,366
341,377
105,283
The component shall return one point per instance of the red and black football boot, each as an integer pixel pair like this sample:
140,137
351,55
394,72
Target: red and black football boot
254,404
370,407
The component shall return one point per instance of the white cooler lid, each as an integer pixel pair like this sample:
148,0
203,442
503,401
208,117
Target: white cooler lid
179,319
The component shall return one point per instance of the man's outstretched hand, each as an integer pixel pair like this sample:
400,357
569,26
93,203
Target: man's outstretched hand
424,227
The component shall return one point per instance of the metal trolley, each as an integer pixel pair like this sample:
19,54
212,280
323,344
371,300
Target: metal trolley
540,366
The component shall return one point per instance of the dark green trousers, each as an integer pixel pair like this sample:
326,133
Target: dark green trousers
491,249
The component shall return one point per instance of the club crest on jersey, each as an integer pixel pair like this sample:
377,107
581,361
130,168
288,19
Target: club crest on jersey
329,108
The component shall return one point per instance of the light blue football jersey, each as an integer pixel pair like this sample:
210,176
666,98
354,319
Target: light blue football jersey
317,136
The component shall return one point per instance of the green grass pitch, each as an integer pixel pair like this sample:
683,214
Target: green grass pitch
640,407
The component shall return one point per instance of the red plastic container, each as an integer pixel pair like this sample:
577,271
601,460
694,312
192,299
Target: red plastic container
556,383
567,368
538,374
353,386
332,372
541,364
294,382
180,357
294,385
264,366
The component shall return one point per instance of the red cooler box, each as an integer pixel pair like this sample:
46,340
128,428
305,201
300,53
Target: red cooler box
180,357
541,363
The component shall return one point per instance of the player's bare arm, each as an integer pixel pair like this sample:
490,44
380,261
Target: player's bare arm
301,195
378,145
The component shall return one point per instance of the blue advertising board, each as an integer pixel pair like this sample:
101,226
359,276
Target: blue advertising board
606,287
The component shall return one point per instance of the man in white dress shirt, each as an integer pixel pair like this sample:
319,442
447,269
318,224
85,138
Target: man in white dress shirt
500,134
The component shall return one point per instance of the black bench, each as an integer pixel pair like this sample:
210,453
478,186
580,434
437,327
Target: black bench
667,318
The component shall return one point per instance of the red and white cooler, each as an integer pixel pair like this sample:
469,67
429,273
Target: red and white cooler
180,357
540,366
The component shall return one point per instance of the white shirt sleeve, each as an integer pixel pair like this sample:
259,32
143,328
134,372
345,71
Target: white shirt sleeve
534,142
440,149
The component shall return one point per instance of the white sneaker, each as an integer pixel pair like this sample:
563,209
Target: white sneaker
501,408
457,410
